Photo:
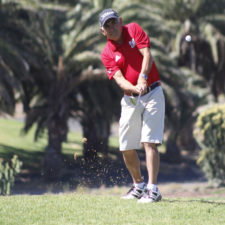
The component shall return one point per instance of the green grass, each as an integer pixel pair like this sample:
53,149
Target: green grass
12,135
90,207
78,208
13,141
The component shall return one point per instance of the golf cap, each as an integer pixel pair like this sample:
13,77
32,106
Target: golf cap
107,14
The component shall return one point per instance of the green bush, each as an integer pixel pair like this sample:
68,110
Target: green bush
210,134
8,170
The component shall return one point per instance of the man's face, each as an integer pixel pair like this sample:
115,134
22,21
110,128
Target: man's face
112,29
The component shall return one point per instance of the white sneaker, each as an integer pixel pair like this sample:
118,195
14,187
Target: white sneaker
134,193
150,196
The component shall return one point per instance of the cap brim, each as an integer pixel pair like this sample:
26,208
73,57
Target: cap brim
107,18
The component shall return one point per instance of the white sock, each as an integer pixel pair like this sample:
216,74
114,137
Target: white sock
140,185
152,187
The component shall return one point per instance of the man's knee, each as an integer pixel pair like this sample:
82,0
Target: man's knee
150,147
129,153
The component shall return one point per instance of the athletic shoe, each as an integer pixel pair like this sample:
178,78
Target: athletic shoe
134,193
150,196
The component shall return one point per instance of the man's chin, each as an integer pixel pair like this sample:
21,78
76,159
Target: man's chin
114,39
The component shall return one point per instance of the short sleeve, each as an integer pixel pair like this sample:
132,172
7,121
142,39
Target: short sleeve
140,37
110,65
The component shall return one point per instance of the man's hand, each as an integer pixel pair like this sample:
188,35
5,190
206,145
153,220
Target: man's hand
125,85
142,85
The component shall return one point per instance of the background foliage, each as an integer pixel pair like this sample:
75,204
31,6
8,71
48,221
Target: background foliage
50,62
210,133
8,170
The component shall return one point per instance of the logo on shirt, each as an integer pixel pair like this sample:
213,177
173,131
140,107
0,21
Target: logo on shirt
109,71
132,43
117,58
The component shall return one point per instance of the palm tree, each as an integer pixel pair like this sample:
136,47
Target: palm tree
197,30
13,66
195,34
100,107
57,44
181,85
63,45
102,4
47,91
97,96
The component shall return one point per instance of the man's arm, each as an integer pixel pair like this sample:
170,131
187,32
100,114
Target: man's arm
124,84
146,66
147,60
142,83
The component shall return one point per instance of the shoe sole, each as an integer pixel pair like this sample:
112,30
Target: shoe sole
151,201
133,197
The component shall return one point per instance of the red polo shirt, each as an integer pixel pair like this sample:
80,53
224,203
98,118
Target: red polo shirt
126,56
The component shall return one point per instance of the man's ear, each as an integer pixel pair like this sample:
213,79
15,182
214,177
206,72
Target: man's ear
121,21
102,31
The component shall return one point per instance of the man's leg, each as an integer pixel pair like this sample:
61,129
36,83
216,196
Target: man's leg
132,162
152,162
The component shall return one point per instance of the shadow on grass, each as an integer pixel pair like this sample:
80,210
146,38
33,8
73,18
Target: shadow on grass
217,203
109,170
31,159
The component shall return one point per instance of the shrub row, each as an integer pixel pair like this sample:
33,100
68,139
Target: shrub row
8,170
210,134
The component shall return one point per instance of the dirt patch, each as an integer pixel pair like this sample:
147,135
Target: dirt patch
175,180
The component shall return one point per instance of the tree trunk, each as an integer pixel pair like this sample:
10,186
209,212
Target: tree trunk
186,140
173,154
96,135
53,159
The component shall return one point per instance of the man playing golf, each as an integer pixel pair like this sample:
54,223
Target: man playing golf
128,60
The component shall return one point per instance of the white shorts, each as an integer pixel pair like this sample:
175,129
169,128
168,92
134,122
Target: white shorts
143,122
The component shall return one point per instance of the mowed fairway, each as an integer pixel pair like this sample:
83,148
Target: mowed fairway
83,208
65,209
